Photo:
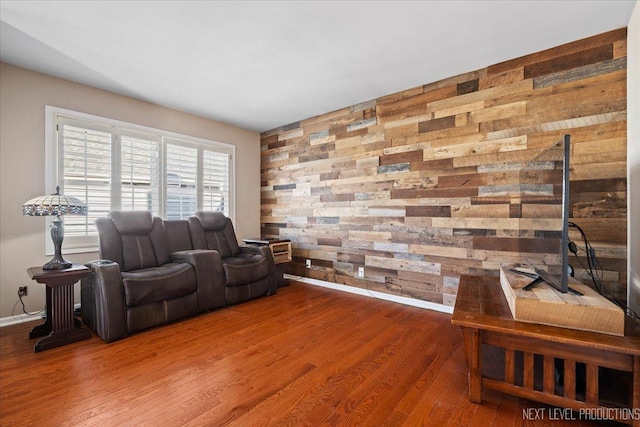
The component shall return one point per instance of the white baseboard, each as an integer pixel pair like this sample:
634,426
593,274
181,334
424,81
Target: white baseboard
22,318
19,318
374,294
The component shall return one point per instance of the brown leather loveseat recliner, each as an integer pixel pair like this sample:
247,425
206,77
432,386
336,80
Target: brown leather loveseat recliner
247,271
151,273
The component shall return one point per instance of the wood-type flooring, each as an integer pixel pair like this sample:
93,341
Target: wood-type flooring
308,356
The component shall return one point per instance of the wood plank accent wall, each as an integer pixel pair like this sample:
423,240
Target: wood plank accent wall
408,185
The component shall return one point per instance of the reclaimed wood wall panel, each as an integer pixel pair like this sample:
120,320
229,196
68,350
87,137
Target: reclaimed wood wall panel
418,186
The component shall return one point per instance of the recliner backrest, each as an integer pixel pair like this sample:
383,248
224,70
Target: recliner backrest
178,235
133,239
213,231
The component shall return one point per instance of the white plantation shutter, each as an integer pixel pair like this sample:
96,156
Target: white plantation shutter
215,181
140,173
113,165
86,173
181,177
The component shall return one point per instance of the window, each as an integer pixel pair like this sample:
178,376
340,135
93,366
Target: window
215,186
120,166
140,173
182,172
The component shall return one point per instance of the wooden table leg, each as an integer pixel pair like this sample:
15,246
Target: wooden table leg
635,399
60,320
473,347
44,329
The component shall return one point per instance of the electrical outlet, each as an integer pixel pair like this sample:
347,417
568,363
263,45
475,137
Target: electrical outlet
308,263
23,291
360,272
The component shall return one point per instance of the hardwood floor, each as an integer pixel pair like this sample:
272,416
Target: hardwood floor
306,356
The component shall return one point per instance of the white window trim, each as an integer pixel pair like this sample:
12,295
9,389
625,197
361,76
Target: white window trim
90,243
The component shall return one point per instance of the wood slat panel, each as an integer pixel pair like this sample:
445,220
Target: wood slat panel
509,366
569,379
592,383
549,375
563,50
636,380
439,159
618,361
567,62
528,370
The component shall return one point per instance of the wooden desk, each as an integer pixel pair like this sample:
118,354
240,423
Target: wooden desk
59,326
557,366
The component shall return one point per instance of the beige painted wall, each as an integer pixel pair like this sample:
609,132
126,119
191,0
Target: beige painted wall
23,96
633,158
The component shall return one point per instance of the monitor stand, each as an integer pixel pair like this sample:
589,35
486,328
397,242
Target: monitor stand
542,276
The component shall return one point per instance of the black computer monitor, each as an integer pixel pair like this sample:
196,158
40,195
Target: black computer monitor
544,190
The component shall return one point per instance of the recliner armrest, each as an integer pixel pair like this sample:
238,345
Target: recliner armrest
266,252
261,250
102,300
209,276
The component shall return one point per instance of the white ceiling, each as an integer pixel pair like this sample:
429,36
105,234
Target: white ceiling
264,64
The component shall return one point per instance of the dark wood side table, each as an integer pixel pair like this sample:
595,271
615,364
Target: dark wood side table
482,313
281,250
59,327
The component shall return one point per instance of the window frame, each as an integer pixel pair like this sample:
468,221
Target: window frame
53,169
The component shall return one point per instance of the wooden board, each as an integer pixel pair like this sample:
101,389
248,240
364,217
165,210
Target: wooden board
430,176
545,305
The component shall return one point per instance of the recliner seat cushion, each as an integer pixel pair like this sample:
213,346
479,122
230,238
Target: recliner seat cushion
245,268
158,284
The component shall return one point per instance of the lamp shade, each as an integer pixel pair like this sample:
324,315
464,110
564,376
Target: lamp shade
54,204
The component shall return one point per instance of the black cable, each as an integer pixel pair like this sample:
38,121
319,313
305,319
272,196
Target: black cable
597,278
24,309
596,283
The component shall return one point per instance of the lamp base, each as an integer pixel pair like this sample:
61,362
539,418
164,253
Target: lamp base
57,235
57,264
